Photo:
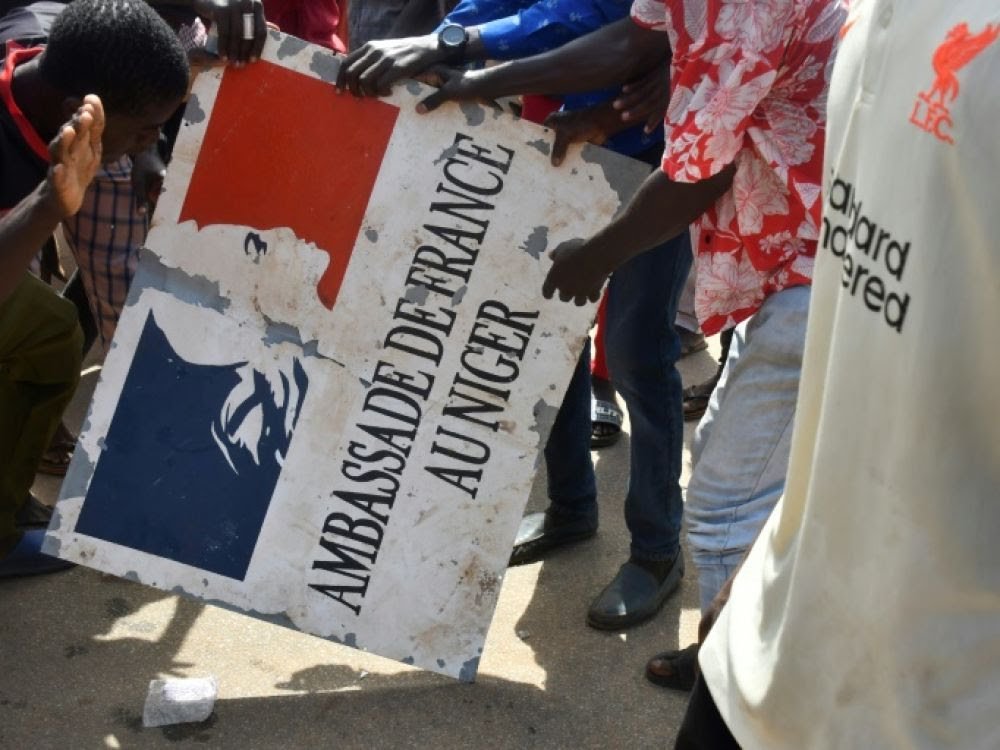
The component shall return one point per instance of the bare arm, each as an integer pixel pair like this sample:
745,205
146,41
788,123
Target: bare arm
76,155
610,56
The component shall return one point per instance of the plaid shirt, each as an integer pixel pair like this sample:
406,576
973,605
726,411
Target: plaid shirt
106,234
105,237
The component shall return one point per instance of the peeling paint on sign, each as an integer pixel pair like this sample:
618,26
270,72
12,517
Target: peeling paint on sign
474,113
541,145
193,113
325,65
537,242
290,46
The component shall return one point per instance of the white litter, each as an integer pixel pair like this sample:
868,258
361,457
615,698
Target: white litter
179,701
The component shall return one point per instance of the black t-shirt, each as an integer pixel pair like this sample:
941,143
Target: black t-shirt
22,164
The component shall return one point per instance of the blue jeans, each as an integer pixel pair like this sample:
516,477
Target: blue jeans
742,444
642,352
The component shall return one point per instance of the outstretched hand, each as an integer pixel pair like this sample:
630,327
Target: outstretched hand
371,69
576,273
75,156
645,99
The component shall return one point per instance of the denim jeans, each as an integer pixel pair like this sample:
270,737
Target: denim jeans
642,352
741,446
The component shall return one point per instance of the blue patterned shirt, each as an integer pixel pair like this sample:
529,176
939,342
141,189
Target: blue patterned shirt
512,29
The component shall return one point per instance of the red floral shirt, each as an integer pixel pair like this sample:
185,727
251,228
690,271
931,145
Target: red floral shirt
748,84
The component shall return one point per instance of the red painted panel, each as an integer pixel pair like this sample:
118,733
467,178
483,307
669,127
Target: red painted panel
285,150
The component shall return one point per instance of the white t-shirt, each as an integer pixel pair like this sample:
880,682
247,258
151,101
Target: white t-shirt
867,615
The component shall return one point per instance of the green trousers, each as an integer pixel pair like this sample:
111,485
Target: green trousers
40,357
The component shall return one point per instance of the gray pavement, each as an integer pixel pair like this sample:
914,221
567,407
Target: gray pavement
78,650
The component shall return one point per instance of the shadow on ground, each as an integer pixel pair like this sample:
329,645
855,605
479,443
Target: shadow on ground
79,649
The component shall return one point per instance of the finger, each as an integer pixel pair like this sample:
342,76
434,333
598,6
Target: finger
59,147
631,93
141,200
559,146
624,100
633,105
222,23
431,77
260,32
387,79
580,300
595,296
564,295
432,102
354,55
81,140
548,286
383,86
358,68
639,100
369,80
345,63
248,23
82,121
153,190
96,108
654,121
235,13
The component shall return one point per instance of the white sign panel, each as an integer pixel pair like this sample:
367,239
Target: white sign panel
327,395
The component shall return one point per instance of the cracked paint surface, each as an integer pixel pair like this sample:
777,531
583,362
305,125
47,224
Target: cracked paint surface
307,384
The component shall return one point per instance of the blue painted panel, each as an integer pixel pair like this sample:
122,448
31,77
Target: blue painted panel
192,457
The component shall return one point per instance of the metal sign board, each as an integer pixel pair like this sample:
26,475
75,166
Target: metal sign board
326,397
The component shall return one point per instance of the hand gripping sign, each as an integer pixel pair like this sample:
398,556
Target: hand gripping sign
326,397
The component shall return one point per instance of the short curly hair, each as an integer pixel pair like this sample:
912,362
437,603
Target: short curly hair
120,50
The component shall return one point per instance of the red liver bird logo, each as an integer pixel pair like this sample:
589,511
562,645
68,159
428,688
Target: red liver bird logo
959,47
930,112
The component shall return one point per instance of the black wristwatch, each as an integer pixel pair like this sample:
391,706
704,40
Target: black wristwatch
452,40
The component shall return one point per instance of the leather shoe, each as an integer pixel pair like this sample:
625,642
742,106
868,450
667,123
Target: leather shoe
541,532
27,558
633,596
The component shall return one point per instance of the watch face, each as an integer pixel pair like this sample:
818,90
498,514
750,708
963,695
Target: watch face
452,35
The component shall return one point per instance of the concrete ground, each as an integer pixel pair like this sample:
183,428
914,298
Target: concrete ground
79,648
